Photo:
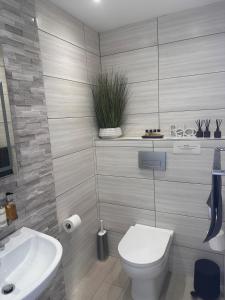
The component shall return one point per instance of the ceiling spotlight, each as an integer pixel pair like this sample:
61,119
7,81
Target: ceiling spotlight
97,1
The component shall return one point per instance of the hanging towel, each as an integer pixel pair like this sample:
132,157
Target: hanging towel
215,199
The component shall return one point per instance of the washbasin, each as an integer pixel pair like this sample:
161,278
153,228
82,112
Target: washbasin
28,264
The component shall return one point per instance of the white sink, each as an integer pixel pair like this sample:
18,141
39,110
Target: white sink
29,262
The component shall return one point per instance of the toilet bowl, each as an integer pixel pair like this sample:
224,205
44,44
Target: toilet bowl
144,252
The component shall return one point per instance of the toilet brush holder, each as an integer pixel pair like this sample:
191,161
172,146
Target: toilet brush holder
206,280
102,243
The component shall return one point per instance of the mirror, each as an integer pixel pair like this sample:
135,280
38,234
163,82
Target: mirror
6,140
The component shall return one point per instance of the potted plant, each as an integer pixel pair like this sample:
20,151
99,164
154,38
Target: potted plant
110,94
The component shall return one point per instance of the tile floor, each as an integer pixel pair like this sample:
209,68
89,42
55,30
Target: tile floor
107,281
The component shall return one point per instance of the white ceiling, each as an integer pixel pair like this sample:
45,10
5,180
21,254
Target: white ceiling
110,14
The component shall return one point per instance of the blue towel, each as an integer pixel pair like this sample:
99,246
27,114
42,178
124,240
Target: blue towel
215,199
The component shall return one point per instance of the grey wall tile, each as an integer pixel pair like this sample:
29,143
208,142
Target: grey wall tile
57,22
76,201
93,66
188,118
126,191
138,65
196,56
191,23
68,61
69,171
79,251
182,198
135,36
188,231
114,238
136,124
91,40
192,93
67,98
120,218
182,259
69,135
121,161
204,143
186,167
143,98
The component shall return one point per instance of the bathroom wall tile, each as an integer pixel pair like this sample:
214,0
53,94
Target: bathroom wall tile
138,65
126,191
70,172
192,93
126,142
121,161
182,198
78,268
135,36
120,218
188,231
93,66
192,23
77,242
182,259
143,98
190,57
188,118
78,200
186,167
204,143
67,98
55,21
135,125
91,40
69,135
68,61
83,237
114,238
79,251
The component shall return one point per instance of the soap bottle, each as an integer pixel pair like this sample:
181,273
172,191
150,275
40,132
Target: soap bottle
102,243
10,207
3,218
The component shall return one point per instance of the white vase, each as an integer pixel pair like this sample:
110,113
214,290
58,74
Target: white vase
110,133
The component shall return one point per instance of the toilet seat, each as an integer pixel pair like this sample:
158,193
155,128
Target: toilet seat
144,245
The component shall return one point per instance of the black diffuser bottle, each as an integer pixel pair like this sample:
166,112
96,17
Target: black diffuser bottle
207,133
217,133
199,133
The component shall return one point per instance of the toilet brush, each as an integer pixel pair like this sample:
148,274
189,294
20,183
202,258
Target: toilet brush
102,243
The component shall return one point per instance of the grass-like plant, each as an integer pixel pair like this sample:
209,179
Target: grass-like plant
110,95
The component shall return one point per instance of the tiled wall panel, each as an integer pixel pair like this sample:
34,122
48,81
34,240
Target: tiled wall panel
70,57
174,199
192,23
187,68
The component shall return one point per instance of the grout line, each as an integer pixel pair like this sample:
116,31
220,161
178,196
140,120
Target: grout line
142,81
74,45
167,43
66,79
75,186
71,153
158,71
77,117
156,179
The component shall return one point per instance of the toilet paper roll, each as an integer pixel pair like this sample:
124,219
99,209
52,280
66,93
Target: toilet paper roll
218,242
71,223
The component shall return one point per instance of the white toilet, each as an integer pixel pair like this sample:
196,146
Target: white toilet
144,252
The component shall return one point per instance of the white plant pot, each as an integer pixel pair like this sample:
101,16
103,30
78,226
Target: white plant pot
110,133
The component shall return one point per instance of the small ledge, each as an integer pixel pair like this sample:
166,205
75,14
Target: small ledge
194,139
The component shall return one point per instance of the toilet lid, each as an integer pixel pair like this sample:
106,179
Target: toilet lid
144,244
